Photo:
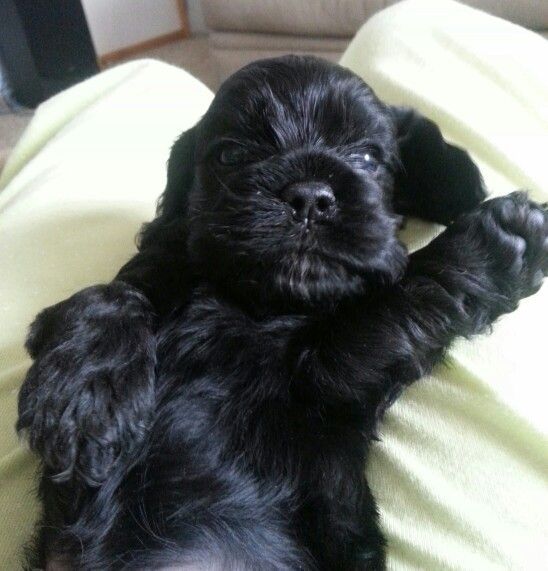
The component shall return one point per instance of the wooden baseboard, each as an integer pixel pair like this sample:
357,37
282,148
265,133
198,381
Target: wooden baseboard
107,59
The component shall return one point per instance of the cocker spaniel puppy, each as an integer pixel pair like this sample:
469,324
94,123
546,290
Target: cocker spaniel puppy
213,407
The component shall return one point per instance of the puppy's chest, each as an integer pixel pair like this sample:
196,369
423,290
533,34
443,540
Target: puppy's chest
267,390
215,340
277,358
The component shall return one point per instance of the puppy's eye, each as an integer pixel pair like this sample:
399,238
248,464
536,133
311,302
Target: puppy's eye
232,155
368,159
372,157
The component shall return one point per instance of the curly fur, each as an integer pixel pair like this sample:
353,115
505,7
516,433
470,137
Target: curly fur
213,407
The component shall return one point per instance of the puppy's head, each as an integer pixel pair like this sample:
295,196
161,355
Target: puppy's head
285,185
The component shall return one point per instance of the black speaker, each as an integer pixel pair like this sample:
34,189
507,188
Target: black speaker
45,47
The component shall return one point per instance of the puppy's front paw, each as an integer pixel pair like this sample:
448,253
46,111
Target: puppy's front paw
511,234
528,222
87,399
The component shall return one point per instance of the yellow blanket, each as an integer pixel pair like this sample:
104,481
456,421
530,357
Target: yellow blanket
461,473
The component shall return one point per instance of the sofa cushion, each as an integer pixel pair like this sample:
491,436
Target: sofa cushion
340,18
529,13
233,50
335,18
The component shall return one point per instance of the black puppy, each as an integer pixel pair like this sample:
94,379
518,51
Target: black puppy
213,407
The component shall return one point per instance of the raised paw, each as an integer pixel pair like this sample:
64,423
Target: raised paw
512,234
88,397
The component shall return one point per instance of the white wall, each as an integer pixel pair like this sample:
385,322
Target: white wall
116,24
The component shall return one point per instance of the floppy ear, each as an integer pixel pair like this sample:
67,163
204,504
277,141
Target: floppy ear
173,203
180,176
435,180
160,269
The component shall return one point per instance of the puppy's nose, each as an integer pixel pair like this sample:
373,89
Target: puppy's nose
310,201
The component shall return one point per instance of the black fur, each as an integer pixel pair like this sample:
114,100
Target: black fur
213,407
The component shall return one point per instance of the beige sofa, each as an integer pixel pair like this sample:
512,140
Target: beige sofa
244,30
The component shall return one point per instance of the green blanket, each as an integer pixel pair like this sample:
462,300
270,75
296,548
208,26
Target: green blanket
461,472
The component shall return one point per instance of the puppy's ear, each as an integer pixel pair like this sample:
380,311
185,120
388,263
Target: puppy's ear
435,180
173,203
180,176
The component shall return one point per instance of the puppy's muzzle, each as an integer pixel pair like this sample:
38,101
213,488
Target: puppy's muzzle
310,201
